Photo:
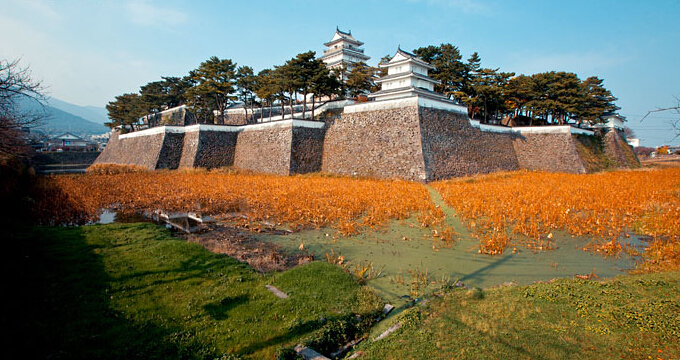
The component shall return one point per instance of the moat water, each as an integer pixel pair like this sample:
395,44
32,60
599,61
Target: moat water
403,249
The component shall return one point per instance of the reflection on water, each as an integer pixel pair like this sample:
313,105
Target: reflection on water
107,217
186,222
110,216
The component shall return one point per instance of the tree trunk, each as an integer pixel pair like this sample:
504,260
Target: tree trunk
485,117
304,103
283,111
220,109
313,98
252,109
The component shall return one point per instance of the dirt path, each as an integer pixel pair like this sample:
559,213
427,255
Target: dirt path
235,238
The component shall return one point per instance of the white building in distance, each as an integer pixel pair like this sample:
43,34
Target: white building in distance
407,75
613,121
343,49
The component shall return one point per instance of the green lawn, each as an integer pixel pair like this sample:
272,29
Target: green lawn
133,291
628,317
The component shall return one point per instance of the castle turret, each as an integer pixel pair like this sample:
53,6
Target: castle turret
407,75
343,49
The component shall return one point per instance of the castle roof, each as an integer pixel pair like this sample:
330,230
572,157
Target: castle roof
407,74
402,56
341,36
410,91
344,50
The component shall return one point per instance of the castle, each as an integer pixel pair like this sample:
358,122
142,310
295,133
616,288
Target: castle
408,132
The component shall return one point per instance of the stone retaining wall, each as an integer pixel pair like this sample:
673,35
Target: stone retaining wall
411,142
306,150
235,119
189,150
619,152
216,149
381,143
171,151
208,149
548,152
140,151
264,150
452,147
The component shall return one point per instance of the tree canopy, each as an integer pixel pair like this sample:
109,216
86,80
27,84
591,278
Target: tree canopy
360,80
490,94
449,69
551,97
125,111
246,83
213,88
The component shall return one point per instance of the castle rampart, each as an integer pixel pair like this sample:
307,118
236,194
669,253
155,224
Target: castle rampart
413,138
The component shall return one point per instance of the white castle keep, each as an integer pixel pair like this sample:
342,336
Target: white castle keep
343,49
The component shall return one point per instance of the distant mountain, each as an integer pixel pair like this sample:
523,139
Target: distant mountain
91,113
59,121
102,112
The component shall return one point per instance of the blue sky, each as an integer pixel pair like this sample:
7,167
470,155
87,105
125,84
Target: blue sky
87,52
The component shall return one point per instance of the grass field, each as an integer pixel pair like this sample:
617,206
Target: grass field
133,291
629,317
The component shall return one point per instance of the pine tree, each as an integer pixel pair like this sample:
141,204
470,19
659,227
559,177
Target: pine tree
125,111
360,79
213,88
449,69
245,85
266,90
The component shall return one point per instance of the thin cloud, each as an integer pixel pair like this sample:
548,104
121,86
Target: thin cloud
83,76
145,14
466,6
44,9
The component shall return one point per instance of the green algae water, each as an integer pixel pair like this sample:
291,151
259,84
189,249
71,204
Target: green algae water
404,249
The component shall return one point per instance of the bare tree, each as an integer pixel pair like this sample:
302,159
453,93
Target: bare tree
628,133
17,87
675,124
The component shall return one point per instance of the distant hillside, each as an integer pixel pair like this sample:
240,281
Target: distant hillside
90,113
102,112
59,121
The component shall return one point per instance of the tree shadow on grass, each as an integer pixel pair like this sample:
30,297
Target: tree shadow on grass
296,331
489,344
191,268
66,312
219,310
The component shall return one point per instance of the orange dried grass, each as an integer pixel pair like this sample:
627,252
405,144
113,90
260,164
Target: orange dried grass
602,206
348,204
